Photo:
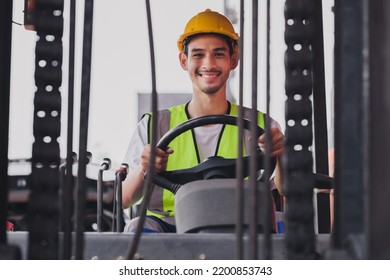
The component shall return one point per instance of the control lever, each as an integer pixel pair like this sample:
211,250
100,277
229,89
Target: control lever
120,176
65,199
106,165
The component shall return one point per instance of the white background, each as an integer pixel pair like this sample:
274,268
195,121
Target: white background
281,269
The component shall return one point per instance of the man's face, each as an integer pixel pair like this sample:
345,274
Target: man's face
208,63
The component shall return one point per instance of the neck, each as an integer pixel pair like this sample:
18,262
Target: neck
207,105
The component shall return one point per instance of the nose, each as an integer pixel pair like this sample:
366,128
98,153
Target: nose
209,62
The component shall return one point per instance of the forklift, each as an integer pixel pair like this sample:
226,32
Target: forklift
358,228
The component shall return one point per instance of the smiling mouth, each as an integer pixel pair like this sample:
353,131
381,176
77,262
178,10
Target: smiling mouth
209,75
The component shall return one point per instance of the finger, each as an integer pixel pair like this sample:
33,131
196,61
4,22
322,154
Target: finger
160,153
261,140
159,167
274,132
277,152
277,142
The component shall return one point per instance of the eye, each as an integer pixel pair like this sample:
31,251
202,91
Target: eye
197,55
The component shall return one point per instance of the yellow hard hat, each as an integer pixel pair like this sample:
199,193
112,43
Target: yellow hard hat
207,22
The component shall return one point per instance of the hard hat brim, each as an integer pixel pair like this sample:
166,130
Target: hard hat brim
183,37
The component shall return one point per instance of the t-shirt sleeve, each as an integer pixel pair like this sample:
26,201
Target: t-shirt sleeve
137,142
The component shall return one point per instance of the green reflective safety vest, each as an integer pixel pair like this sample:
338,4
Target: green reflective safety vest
186,153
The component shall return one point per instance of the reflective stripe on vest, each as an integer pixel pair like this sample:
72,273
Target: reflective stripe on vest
162,201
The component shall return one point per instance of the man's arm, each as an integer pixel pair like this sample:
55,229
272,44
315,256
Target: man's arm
132,187
277,148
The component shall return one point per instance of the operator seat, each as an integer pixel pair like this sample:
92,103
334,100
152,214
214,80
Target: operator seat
209,206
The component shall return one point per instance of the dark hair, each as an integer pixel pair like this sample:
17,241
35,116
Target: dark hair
230,42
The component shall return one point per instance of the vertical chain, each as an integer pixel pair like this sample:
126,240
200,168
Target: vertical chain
5,69
298,164
43,203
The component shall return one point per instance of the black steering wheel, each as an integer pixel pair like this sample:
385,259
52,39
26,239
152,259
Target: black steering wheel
213,167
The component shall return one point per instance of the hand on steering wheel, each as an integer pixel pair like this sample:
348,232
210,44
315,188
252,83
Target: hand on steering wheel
212,167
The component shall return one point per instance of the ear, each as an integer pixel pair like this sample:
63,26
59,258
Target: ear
183,60
234,60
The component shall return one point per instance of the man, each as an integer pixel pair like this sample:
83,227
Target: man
208,52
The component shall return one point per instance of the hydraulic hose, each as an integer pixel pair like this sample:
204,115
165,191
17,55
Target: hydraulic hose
253,198
240,183
69,184
84,117
150,172
266,199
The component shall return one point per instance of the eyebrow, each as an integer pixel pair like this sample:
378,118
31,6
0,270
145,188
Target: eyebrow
216,49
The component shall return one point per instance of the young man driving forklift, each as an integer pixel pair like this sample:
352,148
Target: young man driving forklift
208,52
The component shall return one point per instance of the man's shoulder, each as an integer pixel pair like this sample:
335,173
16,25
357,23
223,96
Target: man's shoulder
176,109
246,110
166,112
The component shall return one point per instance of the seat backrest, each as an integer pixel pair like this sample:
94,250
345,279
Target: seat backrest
209,206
